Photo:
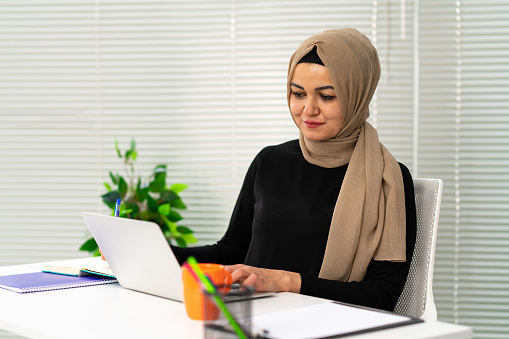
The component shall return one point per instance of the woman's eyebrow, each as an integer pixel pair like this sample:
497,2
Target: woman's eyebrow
316,89
324,87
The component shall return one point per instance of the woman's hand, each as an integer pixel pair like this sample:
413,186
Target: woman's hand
265,280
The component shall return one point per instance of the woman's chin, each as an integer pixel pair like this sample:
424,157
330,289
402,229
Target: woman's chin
316,136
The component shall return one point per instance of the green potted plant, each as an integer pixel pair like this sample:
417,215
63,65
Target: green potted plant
145,199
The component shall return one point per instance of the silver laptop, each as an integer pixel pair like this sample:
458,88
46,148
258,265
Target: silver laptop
138,253
140,256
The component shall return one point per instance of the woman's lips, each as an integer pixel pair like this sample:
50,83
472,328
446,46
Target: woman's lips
313,124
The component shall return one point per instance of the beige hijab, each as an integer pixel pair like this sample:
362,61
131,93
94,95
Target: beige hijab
369,216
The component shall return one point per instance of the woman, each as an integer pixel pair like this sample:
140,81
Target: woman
331,214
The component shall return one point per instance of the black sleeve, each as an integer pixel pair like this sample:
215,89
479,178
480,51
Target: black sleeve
384,280
233,246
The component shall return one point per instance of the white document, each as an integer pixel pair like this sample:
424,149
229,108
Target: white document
324,320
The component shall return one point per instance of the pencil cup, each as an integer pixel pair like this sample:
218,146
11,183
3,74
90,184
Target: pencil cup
198,307
238,306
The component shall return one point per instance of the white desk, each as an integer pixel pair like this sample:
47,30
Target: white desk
110,311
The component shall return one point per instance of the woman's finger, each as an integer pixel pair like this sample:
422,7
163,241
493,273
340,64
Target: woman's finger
251,281
239,275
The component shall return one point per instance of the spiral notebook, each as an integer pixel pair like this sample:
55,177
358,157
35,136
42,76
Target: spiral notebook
42,281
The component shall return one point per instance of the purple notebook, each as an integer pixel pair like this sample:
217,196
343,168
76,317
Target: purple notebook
41,281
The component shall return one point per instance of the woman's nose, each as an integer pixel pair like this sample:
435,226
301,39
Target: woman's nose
311,108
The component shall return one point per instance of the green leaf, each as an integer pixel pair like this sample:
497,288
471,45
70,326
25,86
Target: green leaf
131,153
160,174
151,203
117,149
168,196
122,186
141,194
181,242
158,184
110,198
184,230
166,231
167,235
174,216
108,187
189,238
177,203
125,213
171,226
160,169
177,188
114,178
164,209
89,246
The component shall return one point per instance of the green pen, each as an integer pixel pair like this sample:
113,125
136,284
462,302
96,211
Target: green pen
217,298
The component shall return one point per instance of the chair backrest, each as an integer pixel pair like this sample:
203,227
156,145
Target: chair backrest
416,300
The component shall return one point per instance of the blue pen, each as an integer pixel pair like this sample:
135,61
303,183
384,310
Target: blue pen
117,207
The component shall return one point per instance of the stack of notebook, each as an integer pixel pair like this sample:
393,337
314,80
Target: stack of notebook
94,272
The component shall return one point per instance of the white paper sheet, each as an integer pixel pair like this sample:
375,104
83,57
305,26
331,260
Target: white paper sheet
322,320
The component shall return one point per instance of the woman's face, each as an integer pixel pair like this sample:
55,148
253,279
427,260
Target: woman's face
313,103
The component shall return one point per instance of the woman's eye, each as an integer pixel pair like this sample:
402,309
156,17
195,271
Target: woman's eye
298,94
326,97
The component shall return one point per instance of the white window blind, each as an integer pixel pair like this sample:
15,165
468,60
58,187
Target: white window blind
48,127
201,86
464,139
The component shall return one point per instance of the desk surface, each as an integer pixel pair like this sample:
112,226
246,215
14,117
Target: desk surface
110,311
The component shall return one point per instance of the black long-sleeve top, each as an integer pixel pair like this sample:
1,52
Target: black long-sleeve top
281,221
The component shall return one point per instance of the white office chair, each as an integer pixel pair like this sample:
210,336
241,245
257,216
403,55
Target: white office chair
416,300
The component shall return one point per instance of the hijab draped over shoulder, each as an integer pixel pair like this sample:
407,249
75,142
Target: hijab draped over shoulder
369,216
